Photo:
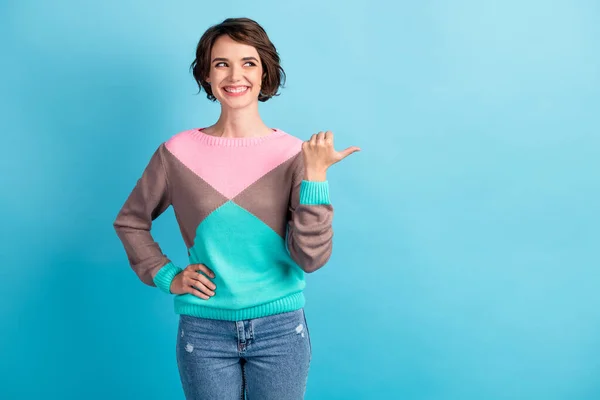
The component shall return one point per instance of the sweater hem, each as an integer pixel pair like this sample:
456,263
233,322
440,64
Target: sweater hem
289,303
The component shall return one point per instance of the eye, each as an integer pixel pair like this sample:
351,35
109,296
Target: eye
220,63
252,64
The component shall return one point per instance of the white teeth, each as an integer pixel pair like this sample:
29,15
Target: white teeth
236,90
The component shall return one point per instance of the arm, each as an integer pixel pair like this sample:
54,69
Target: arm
148,200
309,236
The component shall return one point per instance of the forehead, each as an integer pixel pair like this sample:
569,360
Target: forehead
226,47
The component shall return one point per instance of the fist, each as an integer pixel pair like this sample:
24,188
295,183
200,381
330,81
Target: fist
319,154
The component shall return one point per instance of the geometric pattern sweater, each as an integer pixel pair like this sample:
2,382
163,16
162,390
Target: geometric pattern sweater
243,210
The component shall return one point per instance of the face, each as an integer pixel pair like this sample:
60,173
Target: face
235,73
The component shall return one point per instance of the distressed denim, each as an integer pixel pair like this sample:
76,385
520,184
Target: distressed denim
262,358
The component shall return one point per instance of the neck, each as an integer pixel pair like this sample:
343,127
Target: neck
239,123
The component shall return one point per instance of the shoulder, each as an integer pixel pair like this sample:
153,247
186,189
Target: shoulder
291,150
180,140
288,136
288,141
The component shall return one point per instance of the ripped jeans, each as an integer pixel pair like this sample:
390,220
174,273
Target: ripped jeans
262,359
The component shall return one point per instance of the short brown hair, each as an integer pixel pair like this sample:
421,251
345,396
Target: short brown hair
247,31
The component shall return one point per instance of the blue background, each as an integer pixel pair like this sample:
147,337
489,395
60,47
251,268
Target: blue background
466,231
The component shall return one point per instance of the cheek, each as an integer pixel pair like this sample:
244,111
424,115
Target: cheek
257,77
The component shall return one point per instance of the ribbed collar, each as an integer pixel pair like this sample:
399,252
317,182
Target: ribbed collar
210,140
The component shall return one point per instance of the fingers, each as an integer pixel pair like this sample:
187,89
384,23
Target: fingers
201,267
320,147
321,138
197,293
198,284
197,287
199,279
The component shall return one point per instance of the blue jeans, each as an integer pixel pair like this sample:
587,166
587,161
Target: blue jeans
265,358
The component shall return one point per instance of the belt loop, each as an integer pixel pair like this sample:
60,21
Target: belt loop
240,331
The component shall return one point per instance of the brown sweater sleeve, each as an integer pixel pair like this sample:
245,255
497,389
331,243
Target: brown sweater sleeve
309,231
149,199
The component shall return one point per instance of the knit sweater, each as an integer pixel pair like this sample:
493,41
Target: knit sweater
243,209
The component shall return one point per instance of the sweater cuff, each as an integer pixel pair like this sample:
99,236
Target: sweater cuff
164,277
314,192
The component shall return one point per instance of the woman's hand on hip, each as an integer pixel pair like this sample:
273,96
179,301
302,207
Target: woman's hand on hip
191,281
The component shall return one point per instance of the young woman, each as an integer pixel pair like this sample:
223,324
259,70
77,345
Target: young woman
253,207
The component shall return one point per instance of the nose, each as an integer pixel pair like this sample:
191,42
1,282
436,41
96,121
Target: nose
235,73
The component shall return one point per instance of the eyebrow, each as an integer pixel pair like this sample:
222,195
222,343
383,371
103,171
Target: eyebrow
243,59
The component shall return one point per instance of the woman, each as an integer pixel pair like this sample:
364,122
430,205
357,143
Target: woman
253,207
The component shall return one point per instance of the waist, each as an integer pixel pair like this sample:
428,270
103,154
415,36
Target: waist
189,304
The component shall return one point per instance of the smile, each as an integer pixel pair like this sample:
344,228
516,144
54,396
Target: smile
235,89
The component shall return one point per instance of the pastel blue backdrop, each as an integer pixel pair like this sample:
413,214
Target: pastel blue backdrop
466,261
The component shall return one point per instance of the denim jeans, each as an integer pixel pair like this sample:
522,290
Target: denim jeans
264,358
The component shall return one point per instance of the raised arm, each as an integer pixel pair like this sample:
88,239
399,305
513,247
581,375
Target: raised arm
309,231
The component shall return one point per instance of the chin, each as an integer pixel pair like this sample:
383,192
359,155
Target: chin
238,103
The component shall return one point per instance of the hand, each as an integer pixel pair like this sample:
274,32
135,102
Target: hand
192,282
319,154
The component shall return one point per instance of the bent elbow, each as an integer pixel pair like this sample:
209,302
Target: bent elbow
312,264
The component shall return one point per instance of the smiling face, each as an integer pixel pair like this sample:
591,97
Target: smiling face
235,74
